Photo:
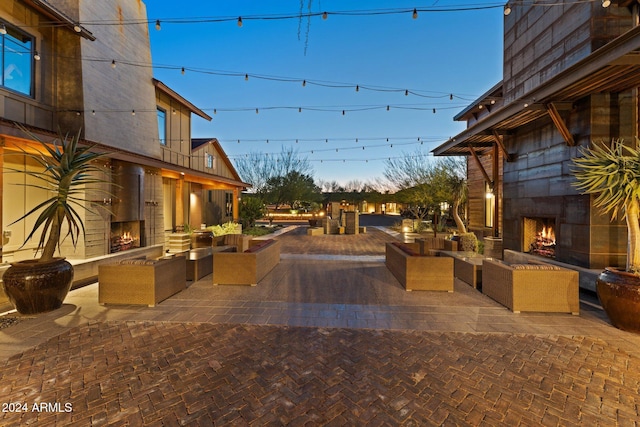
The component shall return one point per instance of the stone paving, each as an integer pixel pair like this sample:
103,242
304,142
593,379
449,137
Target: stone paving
321,341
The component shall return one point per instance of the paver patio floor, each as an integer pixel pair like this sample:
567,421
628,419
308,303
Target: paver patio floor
329,337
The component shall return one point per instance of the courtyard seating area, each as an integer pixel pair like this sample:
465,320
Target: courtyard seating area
335,301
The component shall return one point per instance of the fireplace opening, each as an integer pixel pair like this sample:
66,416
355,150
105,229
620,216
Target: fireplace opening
126,235
539,236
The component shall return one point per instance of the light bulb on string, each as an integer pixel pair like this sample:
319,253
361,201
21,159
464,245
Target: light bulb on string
158,27
257,111
304,83
299,109
451,97
3,29
387,108
36,56
406,93
246,77
434,111
133,112
93,112
113,63
357,88
239,21
415,14
343,112
215,111
182,71
325,15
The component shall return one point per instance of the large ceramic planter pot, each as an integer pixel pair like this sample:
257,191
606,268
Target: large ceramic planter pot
37,287
619,294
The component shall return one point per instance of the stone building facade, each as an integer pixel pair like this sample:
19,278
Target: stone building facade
60,74
570,79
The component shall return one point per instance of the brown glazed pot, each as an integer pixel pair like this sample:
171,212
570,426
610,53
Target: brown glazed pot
619,294
37,287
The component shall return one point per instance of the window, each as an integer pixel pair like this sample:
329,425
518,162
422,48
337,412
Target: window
209,161
17,61
229,203
162,126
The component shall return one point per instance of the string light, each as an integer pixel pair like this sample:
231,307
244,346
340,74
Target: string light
415,13
507,9
158,27
36,56
325,15
3,29
182,71
77,28
133,112
304,83
239,21
246,77
113,63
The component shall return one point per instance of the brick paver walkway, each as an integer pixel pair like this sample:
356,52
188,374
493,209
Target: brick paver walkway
139,366
165,374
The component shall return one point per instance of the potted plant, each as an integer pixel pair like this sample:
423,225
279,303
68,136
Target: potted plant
613,174
40,285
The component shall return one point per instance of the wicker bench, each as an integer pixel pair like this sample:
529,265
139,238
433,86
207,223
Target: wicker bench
418,272
248,267
141,281
531,287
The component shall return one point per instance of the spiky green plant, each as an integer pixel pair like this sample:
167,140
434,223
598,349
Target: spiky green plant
613,173
67,173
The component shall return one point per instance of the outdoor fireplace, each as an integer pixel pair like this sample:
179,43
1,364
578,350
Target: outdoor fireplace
126,235
539,236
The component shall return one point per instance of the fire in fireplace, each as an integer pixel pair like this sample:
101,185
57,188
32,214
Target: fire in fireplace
539,236
126,235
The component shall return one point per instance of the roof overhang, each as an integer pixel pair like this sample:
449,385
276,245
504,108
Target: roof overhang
11,137
180,99
57,16
615,67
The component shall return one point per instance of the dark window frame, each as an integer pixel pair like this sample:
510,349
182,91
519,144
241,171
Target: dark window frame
17,36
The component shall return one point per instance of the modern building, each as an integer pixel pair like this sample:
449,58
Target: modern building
571,77
61,74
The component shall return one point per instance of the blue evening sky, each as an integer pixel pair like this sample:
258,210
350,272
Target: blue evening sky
436,55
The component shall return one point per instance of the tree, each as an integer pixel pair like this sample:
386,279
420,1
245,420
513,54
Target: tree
293,189
424,182
413,177
451,172
251,208
257,168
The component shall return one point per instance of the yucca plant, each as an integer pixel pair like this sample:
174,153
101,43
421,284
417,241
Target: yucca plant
613,173
67,172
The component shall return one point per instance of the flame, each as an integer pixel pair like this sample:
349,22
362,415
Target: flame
548,235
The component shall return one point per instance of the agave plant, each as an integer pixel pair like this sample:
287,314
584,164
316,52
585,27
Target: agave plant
613,173
67,173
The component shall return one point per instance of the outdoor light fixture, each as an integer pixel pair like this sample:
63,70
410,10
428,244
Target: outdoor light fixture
324,15
133,112
239,21
606,3
507,9
415,13
36,56
246,77
182,71
304,83
3,29
77,28
158,27
113,63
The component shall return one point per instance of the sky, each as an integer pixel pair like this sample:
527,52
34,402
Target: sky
438,56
